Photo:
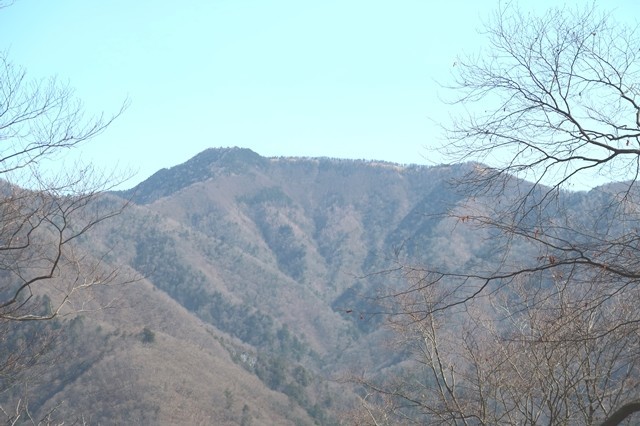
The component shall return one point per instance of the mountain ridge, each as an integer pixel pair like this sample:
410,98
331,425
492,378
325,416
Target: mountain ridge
214,162
267,268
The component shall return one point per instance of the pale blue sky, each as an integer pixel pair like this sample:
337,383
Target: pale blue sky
347,78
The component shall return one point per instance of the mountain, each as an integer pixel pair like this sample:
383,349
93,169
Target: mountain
256,280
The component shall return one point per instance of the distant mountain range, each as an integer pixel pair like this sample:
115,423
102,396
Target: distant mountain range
257,294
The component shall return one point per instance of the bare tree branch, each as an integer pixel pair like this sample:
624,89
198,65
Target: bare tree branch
544,328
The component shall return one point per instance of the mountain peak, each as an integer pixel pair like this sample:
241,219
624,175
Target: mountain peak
226,156
205,165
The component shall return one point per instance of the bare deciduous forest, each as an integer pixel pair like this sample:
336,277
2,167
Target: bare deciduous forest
241,289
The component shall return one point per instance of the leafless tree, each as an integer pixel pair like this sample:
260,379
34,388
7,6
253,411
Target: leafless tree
553,102
522,357
44,216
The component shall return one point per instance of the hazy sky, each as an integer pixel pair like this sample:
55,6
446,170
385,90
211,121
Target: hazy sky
337,78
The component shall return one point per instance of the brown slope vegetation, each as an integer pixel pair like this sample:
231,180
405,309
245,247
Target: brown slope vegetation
147,360
261,273
291,236
258,278
287,242
181,374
